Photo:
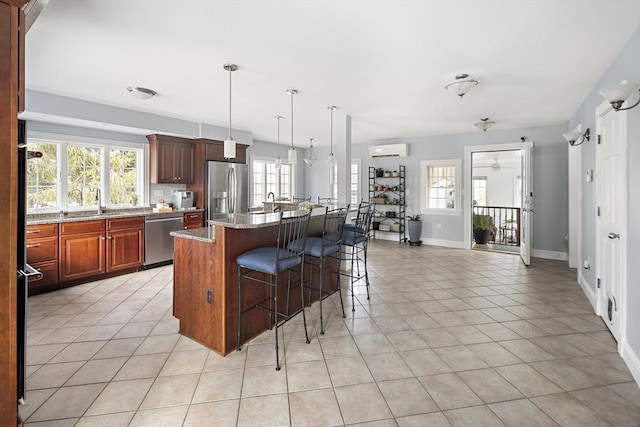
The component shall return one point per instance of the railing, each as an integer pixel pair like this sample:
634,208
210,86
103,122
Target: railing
505,222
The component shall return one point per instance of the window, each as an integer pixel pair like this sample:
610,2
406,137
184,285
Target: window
265,178
333,181
440,186
70,173
479,191
355,181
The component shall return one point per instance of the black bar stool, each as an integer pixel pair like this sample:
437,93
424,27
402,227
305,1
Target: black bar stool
356,237
273,260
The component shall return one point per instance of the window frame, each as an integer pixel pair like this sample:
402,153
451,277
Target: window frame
357,198
424,176
105,146
268,159
473,191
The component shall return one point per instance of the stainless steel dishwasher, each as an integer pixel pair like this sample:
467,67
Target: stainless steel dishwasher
158,243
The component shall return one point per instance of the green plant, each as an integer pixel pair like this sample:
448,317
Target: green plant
383,196
281,199
415,217
482,222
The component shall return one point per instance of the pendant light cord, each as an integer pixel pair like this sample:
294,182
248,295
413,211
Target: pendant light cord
230,70
278,145
292,93
331,131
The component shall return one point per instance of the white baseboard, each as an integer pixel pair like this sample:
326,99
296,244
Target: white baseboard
541,253
588,291
446,243
632,360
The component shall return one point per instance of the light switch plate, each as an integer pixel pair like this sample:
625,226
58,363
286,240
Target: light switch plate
158,193
589,176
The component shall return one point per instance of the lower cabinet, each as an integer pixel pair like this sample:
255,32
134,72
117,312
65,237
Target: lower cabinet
193,220
42,253
92,248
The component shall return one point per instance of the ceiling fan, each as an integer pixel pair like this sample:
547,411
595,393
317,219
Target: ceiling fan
496,166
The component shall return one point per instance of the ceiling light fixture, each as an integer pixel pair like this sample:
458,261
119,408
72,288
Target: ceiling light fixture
484,124
278,159
572,137
292,156
141,92
618,94
312,155
462,84
229,151
331,160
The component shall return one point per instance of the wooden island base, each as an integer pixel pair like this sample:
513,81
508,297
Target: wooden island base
205,288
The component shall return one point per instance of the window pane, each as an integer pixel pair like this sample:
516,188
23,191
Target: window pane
440,187
42,176
83,175
123,177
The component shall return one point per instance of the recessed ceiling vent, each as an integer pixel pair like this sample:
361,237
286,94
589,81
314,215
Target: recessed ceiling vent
392,150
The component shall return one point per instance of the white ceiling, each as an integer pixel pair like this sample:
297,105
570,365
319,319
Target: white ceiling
385,63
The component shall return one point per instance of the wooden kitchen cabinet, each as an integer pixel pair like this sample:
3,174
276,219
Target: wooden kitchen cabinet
82,249
214,150
125,243
193,220
172,159
42,253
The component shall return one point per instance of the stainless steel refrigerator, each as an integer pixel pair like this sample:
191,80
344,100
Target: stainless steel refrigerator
227,189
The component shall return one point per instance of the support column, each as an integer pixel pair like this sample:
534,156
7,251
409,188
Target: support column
342,141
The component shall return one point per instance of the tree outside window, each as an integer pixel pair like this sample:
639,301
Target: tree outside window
42,176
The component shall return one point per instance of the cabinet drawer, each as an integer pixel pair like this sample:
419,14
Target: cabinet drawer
124,223
49,270
193,217
81,227
42,249
42,230
191,224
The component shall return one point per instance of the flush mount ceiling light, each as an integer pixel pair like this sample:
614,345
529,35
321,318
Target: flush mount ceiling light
461,85
618,94
484,124
312,155
229,143
573,137
141,92
331,160
278,159
292,156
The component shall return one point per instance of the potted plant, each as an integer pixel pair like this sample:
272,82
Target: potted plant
379,172
414,226
482,227
387,174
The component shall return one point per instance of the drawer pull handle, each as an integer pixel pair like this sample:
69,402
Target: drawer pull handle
33,231
36,245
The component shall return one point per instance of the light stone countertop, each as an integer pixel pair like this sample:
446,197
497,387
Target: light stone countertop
73,216
204,234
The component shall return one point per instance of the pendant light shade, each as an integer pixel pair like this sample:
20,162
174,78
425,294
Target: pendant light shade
312,155
229,150
331,160
292,155
278,159
484,124
461,85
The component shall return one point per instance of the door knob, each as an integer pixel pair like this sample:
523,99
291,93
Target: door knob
613,236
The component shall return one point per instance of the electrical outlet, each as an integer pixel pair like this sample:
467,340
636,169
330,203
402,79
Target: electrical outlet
209,296
158,193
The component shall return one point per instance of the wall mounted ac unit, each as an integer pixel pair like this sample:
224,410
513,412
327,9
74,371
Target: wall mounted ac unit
392,150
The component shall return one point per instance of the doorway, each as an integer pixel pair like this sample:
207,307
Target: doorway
499,199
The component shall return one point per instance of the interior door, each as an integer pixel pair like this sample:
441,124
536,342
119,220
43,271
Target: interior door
526,220
611,190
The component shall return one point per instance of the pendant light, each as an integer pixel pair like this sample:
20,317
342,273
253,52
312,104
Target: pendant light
331,160
229,143
292,156
278,159
312,155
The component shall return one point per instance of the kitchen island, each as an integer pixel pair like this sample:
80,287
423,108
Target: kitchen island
205,288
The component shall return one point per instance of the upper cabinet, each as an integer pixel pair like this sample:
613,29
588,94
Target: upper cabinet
214,150
172,159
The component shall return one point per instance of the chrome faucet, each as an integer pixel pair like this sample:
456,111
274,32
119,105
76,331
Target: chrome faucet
99,200
270,194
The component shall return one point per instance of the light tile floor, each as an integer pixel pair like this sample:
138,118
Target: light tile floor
449,337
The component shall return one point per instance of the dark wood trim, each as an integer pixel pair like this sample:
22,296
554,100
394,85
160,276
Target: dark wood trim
9,17
16,3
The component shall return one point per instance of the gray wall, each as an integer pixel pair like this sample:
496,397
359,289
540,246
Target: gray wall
625,67
550,179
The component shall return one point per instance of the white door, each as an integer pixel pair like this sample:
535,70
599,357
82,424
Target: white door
526,220
611,190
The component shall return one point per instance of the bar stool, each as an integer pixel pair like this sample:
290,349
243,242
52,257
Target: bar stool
319,250
272,261
327,200
356,237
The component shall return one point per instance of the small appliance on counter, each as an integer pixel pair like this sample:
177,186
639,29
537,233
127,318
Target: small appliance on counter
182,199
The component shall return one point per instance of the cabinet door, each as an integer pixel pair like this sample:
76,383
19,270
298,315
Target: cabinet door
82,255
49,270
125,249
185,158
166,160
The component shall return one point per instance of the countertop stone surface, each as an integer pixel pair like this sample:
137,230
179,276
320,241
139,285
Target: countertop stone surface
72,216
204,234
